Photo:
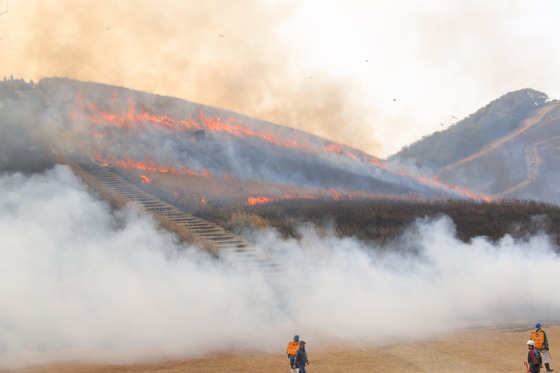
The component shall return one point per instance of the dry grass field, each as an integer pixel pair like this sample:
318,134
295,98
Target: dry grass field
473,351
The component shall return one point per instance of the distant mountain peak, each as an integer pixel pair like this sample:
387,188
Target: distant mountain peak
508,149
469,135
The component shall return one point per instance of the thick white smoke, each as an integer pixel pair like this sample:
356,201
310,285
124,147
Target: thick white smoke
427,284
80,281
74,277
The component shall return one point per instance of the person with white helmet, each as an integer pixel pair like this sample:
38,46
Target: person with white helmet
541,344
534,359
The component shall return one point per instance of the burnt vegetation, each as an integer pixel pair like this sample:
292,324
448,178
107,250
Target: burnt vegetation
384,220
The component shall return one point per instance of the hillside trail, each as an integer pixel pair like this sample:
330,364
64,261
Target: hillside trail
533,161
525,125
468,351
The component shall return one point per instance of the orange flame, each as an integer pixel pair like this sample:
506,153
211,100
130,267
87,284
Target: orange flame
147,165
132,118
260,200
145,179
335,195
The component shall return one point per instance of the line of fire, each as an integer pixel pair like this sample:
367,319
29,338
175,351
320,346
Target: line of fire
123,134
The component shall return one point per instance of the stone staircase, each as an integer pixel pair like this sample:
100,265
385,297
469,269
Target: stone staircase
223,243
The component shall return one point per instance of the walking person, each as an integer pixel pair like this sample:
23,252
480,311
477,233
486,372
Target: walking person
291,350
534,358
301,357
541,345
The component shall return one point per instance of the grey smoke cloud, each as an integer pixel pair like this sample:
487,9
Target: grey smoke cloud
81,282
330,68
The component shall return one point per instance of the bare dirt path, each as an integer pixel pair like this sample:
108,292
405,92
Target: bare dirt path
533,161
525,125
472,351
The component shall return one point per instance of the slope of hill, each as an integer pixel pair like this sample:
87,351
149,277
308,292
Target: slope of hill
170,143
521,165
469,135
518,160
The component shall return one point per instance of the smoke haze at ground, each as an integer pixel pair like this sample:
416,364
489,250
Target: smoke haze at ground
80,281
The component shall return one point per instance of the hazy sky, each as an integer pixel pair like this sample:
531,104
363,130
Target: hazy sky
376,75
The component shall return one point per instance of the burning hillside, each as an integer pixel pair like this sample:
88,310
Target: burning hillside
151,138
92,269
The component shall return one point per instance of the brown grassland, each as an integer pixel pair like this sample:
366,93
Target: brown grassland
365,216
500,349
383,220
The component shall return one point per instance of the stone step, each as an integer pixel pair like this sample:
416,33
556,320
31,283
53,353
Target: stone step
228,244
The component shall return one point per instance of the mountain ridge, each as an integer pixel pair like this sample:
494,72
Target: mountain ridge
518,162
468,135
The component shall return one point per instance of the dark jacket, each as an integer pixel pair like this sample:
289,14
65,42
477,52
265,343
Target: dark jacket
301,357
535,360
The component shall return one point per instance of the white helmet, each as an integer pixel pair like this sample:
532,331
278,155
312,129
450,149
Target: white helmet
531,343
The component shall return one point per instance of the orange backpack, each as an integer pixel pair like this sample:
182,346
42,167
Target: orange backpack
538,337
292,348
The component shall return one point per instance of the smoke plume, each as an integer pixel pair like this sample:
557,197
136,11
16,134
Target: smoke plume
79,281
330,68
224,54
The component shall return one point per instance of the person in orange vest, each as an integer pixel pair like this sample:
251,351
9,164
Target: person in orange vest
541,345
534,359
291,350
